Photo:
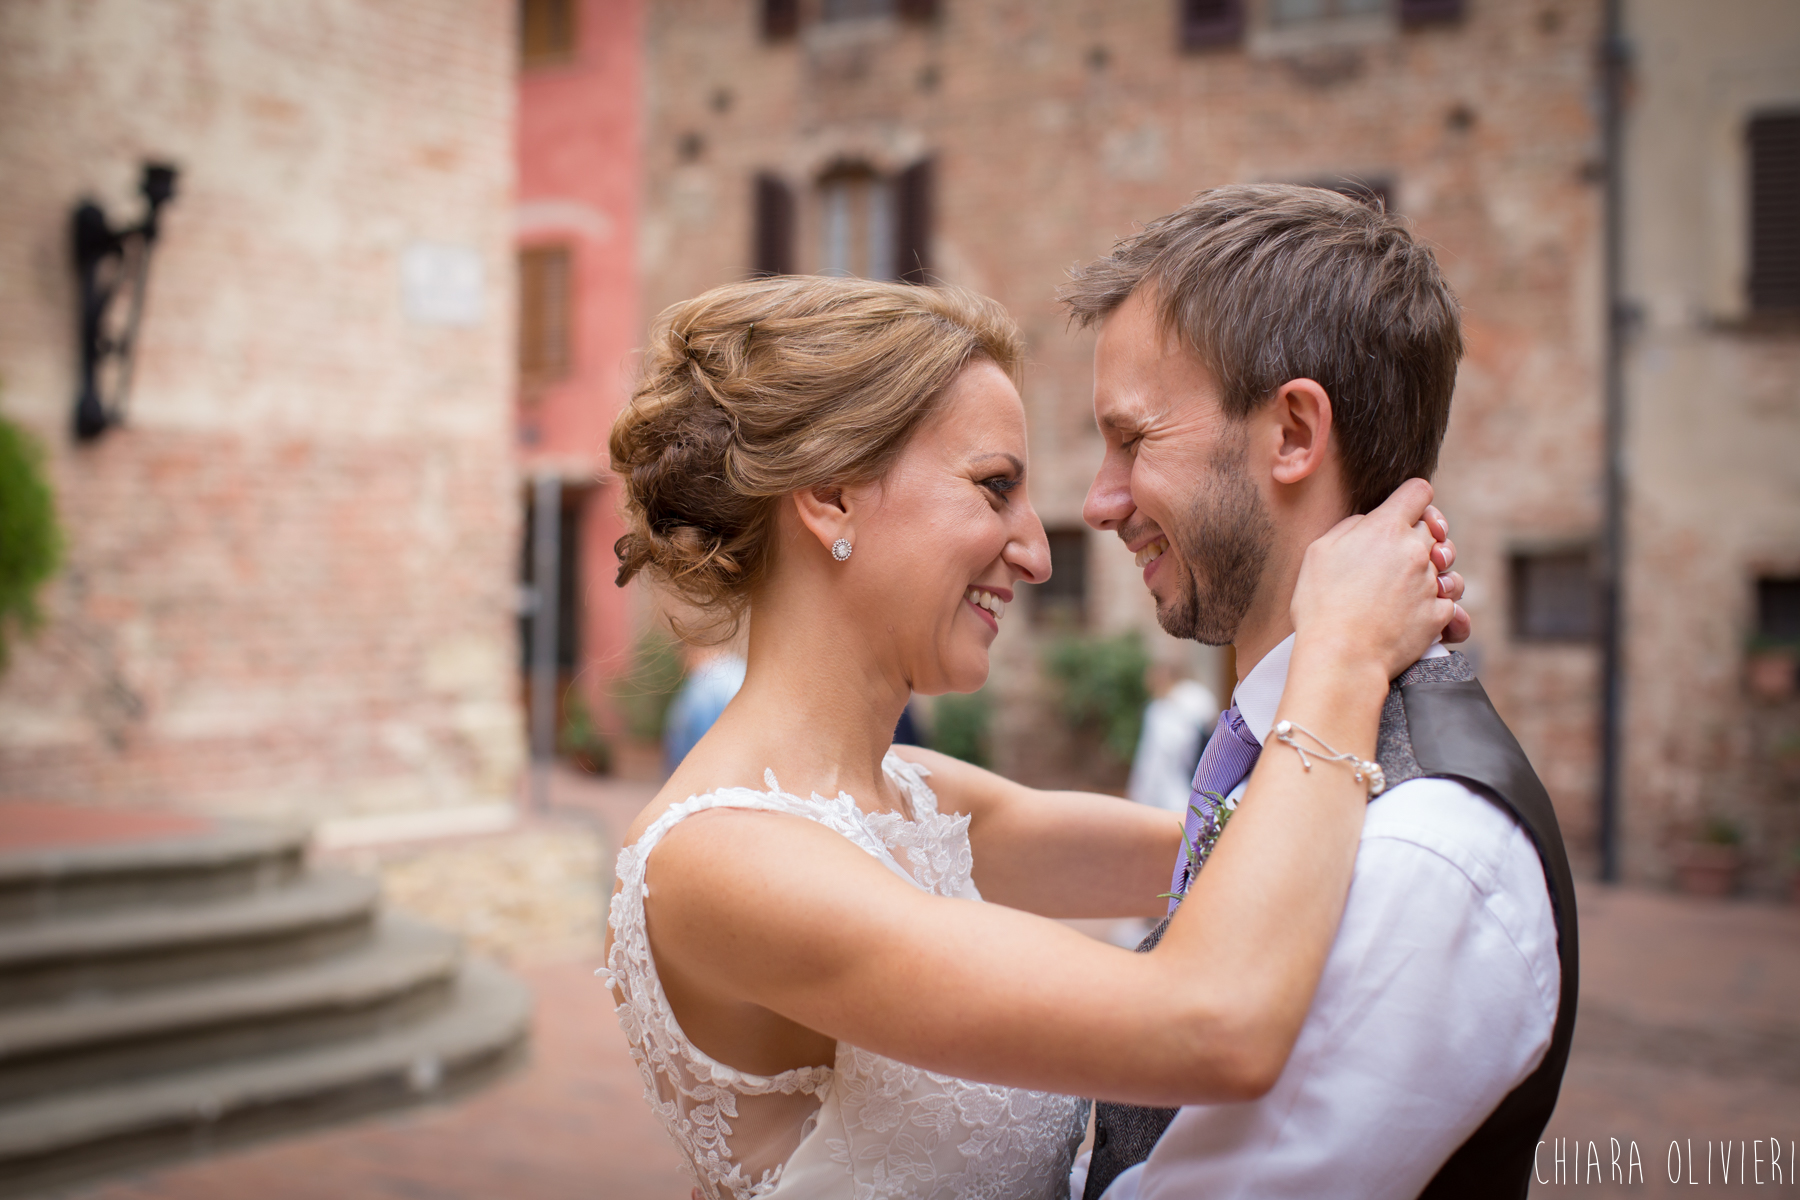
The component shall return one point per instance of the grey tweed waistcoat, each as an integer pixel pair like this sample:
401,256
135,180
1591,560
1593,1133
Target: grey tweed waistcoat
1437,721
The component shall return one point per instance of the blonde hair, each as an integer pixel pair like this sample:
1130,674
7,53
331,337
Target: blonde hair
756,390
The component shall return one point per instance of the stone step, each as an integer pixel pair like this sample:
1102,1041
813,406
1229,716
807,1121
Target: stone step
81,958
399,975
118,1124
219,860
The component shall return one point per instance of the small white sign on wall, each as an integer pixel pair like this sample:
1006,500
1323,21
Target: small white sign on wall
442,284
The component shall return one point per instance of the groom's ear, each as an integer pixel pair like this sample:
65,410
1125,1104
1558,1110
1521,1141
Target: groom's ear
1302,412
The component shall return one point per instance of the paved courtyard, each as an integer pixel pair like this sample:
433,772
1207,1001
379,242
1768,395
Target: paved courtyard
1690,1031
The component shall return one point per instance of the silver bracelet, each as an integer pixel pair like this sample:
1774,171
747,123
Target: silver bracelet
1361,769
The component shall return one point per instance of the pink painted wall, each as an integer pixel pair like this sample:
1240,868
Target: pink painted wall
579,182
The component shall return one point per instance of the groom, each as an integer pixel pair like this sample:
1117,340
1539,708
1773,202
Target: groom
1270,360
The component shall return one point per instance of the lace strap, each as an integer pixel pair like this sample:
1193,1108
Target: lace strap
911,777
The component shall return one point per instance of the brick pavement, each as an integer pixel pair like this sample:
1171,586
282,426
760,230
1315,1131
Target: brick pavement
1690,1029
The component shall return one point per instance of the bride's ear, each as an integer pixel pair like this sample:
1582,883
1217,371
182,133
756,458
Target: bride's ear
826,512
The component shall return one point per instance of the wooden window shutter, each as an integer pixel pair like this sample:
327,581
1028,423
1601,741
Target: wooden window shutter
546,31
912,223
780,18
1208,23
772,236
1425,12
544,281
1775,211
918,10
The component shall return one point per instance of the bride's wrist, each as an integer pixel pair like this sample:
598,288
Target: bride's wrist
1341,668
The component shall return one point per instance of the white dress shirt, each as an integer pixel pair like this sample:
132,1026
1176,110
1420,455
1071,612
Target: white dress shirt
1437,999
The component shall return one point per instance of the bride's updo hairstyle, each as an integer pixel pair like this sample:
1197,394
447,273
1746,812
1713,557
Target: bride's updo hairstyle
756,390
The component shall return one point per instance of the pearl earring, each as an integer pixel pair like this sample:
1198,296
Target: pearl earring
840,549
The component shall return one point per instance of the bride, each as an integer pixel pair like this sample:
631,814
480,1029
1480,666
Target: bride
799,948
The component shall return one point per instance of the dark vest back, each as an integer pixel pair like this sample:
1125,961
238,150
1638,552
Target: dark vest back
1437,722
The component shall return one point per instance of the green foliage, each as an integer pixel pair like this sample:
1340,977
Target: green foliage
959,727
646,691
580,739
30,543
1721,831
1103,688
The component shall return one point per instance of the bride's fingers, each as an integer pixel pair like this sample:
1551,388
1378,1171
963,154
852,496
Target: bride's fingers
1444,554
1406,506
1450,586
1437,523
1459,628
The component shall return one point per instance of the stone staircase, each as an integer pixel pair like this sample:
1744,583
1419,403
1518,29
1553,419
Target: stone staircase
160,998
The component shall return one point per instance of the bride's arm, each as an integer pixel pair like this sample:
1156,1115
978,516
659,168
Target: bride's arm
781,914
1058,854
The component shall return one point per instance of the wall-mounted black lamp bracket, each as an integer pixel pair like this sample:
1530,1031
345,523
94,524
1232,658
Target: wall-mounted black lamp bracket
107,260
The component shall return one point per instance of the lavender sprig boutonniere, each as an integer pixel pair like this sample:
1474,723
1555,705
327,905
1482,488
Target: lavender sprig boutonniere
1210,824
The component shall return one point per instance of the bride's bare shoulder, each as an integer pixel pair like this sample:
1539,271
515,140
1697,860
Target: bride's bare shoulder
698,775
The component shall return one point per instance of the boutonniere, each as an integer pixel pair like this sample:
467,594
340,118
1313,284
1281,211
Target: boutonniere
1209,825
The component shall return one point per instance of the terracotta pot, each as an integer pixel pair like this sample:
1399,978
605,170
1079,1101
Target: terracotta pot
1705,869
1771,675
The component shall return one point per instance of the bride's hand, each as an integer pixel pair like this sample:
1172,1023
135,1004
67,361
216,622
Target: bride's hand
1378,587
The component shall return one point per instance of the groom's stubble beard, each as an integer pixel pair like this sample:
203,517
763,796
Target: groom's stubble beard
1224,544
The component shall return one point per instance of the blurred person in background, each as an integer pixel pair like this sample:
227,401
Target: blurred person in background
846,460
714,675
1177,721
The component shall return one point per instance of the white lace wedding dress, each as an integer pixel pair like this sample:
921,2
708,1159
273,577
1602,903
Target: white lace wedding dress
865,1126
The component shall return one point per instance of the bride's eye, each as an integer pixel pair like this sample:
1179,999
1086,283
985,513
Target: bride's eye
1000,485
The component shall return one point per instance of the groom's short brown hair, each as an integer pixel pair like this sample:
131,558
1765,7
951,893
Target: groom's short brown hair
1270,282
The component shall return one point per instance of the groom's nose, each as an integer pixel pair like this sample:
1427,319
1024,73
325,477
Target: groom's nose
1108,505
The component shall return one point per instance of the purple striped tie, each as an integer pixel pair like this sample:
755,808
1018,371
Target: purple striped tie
1229,756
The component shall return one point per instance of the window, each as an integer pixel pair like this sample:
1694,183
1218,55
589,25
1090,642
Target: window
1775,212
1060,602
1207,23
850,10
1554,598
780,18
772,235
912,222
1300,12
1423,12
1778,610
1377,193
546,31
543,314
856,224
568,580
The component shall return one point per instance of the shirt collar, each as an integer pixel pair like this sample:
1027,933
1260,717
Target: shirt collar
1258,693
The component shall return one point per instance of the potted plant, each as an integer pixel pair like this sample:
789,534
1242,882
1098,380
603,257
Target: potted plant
581,742
1710,863
30,542
1772,670
1794,875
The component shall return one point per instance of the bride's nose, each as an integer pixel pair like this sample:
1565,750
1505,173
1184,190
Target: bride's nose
1028,552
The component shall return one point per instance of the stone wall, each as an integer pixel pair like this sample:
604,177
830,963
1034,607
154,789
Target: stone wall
289,581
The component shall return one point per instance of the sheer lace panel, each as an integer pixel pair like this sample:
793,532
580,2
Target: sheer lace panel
866,1126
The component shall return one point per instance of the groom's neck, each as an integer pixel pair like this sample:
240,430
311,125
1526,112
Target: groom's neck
1269,619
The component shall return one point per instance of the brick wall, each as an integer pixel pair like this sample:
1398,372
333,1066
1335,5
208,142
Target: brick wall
289,581
1057,125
